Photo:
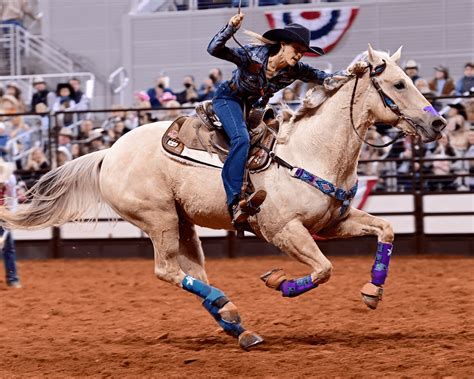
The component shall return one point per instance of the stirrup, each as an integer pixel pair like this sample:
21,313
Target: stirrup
251,205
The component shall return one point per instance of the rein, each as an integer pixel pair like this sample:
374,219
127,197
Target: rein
387,102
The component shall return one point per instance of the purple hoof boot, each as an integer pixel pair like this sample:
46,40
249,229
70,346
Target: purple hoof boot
296,287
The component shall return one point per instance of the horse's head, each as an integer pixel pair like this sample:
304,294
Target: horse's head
396,101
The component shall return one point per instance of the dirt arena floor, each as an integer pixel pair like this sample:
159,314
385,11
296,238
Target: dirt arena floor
112,318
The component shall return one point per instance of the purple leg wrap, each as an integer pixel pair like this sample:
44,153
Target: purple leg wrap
295,287
382,260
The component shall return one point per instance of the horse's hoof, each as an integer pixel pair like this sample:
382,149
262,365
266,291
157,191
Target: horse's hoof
249,339
274,278
371,295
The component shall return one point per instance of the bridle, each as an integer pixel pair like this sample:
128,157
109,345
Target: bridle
386,100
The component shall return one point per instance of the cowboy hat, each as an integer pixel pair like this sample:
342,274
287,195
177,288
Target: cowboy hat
65,132
38,79
6,170
95,134
411,64
460,108
293,33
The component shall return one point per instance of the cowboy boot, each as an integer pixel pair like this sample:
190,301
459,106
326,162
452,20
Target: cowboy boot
248,207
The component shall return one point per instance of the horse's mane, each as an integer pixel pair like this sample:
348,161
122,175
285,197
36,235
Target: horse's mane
314,98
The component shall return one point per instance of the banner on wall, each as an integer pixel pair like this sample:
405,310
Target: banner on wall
327,25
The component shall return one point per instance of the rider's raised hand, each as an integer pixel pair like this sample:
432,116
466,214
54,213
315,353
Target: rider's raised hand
357,68
236,21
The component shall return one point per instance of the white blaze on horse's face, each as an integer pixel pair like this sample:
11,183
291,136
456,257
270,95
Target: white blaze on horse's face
417,115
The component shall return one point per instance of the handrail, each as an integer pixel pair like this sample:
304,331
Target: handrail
122,75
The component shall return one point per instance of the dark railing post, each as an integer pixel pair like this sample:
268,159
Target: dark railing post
418,192
56,242
231,244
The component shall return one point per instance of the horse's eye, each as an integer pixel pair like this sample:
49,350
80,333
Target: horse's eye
400,85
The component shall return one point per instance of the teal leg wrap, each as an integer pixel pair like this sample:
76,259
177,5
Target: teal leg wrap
214,300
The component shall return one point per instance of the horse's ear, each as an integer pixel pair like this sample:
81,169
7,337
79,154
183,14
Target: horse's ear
371,53
396,56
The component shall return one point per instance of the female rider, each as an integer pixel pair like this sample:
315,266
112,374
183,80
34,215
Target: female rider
262,69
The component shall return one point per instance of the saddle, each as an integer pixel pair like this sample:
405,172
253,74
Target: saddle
200,138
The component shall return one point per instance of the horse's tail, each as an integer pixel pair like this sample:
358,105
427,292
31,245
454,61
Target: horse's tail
63,194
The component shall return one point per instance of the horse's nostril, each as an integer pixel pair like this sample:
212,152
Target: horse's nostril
438,124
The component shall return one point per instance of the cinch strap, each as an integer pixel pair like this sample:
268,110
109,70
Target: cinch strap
327,187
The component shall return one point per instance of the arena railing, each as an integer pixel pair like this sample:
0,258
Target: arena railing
416,183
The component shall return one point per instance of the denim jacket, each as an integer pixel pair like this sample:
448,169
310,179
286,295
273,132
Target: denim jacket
250,76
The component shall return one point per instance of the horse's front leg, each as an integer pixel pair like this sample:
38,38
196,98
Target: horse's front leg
359,223
295,240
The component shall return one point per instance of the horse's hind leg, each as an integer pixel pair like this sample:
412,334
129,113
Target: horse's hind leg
167,249
295,240
359,223
191,255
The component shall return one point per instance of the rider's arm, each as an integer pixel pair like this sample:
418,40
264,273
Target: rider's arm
306,73
218,48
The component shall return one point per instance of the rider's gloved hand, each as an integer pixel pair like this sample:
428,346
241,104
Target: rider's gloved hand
357,68
236,21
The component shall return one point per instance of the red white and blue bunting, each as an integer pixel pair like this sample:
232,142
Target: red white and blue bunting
327,25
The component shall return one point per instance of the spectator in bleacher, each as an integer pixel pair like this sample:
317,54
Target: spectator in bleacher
42,94
64,102
189,95
8,198
411,69
117,116
442,84
65,138
172,114
36,160
141,101
114,133
470,154
84,129
13,12
207,90
3,141
371,153
78,150
79,97
162,86
96,141
165,97
423,86
465,84
18,126
215,74
63,155
36,164
14,90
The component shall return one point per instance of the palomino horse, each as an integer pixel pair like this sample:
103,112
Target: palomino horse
166,197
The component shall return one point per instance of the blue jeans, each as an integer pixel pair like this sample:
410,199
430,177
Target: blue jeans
9,257
228,107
